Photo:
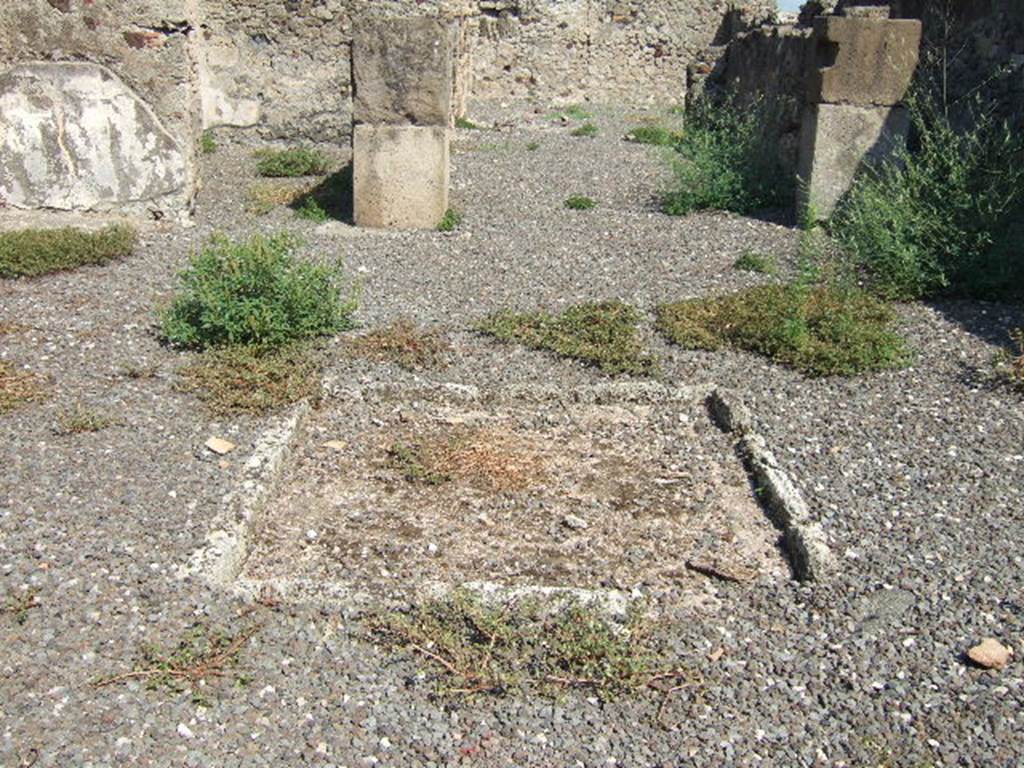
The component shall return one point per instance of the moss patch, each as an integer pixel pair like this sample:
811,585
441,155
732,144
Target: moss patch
819,330
602,334
33,252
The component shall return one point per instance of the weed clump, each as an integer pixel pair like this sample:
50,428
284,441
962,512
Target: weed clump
34,252
208,142
587,130
1010,365
655,135
476,648
290,163
820,330
80,419
943,216
751,261
252,380
571,112
311,210
602,334
404,344
464,123
450,221
18,388
727,160
580,203
255,292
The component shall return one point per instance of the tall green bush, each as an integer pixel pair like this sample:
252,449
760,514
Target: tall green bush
728,159
255,292
942,216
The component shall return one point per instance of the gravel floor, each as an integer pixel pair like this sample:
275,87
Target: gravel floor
915,475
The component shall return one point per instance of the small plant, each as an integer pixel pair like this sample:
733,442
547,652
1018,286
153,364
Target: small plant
252,380
18,387
199,659
655,135
602,334
751,261
404,344
820,330
208,142
290,163
255,292
18,605
263,197
311,210
415,466
80,419
478,648
571,112
464,123
1010,365
533,146
580,203
727,160
332,197
34,252
450,221
587,130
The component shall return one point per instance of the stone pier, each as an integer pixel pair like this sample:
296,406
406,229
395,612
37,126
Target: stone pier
862,66
401,110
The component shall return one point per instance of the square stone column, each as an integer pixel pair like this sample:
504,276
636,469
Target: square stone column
861,70
402,96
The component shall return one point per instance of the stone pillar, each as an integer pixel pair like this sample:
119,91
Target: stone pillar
862,66
402,93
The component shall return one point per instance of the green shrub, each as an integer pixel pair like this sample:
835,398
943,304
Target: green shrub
602,334
751,261
943,215
655,135
820,330
33,252
580,203
310,209
254,292
587,130
728,160
297,161
450,221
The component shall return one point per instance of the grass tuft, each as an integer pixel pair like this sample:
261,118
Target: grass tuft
404,344
587,130
655,135
533,146
291,163
602,334
751,261
476,648
18,388
466,124
571,112
255,292
450,221
251,380
80,419
19,604
311,210
580,203
820,330
34,252
263,197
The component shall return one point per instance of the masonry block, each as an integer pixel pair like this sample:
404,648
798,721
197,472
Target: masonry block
836,141
865,61
400,175
402,72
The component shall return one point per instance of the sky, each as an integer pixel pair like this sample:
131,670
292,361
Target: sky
790,5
